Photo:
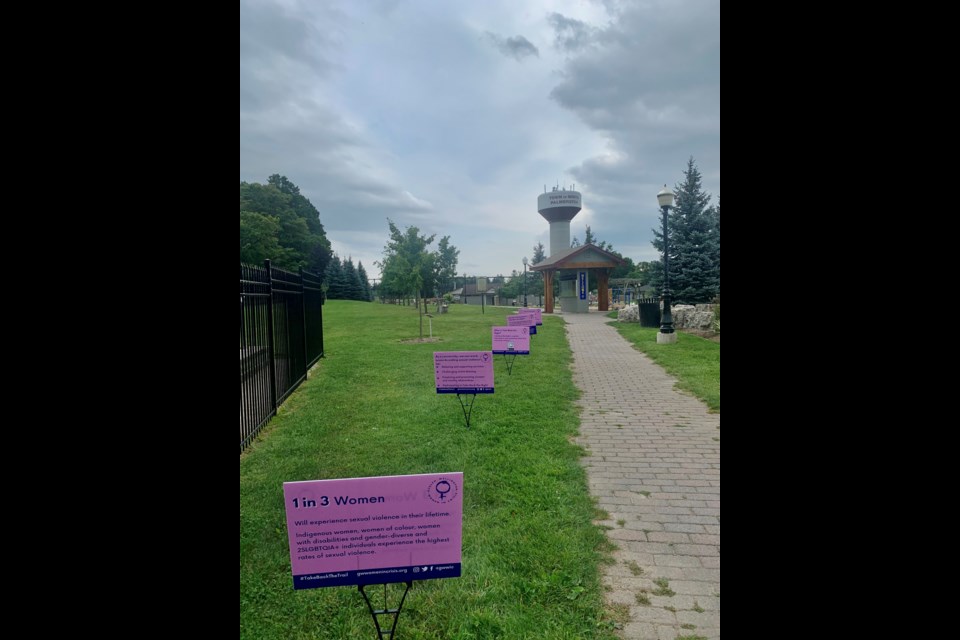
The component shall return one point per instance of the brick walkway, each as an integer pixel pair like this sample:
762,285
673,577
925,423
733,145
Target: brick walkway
654,466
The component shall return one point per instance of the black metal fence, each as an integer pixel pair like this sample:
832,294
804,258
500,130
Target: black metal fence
281,337
649,309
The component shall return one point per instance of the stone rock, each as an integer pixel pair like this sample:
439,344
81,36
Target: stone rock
701,320
629,314
687,316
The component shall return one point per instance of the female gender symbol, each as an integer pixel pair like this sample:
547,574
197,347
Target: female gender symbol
442,492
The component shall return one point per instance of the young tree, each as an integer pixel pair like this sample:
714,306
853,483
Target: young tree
407,267
694,242
445,262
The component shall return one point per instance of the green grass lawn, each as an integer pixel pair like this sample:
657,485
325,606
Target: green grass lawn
530,551
695,362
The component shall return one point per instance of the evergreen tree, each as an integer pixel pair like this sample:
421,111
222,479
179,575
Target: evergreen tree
716,224
539,254
535,278
364,281
351,280
334,277
694,243
589,238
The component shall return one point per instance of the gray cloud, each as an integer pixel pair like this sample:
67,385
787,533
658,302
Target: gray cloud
397,109
516,47
649,82
571,35
287,127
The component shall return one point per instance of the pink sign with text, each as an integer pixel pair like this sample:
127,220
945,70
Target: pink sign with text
374,530
463,371
523,320
515,340
537,313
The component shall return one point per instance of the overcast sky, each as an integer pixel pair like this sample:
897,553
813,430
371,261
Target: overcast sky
452,116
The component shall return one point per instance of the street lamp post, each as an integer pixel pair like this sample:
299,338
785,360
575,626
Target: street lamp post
666,334
524,281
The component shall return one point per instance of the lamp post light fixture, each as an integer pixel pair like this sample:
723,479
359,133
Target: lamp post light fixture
666,334
524,281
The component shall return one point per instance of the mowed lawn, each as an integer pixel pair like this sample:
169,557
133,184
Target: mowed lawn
693,361
531,554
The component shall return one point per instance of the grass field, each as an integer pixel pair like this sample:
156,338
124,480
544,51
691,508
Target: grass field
530,551
695,362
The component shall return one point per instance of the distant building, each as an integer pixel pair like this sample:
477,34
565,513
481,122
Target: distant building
472,294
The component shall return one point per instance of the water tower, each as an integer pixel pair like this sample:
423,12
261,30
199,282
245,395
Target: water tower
572,268
559,207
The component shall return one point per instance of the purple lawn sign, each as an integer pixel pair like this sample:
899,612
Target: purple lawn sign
463,371
523,320
511,340
536,312
360,531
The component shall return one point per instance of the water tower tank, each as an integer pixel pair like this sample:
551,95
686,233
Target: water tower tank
559,207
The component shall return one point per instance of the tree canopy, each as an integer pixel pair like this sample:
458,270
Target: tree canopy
278,223
409,268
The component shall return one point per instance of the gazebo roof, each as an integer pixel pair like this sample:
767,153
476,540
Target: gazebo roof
587,256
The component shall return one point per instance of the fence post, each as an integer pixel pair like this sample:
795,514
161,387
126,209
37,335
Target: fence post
303,320
273,363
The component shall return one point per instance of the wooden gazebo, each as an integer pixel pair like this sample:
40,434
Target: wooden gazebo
591,258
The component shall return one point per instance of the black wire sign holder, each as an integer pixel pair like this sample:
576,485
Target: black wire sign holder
383,634
510,359
466,374
467,406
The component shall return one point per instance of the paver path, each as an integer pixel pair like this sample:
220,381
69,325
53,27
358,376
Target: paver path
654,466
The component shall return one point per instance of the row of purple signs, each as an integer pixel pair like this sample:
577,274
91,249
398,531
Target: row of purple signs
358,531
464,372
